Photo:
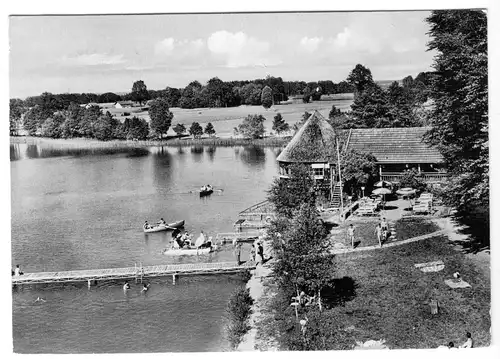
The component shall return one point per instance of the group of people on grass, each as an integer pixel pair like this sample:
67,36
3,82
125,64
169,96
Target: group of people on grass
469,343
381,231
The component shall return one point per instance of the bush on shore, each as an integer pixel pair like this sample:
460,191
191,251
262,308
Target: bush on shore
238,311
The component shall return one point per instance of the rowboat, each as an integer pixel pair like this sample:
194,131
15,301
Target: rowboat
189,251
206,190
163,227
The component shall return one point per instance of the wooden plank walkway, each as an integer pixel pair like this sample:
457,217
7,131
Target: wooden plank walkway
132,272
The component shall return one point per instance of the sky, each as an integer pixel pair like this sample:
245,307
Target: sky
108,53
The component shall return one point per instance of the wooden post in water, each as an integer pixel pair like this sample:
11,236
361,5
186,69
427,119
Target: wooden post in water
173,279
88,283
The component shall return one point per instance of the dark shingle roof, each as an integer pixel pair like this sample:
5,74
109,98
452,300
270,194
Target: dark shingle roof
395,145
313,143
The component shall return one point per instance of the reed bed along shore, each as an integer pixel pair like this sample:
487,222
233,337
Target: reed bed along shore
85,143
228,142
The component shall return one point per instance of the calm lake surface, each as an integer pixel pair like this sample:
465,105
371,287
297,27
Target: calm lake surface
75,209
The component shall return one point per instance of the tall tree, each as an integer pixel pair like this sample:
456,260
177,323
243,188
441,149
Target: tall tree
459,120
289,194
358,169
361,78
279,124
371,108
16,110
209,129
179,129
196,130
161,116
252,126
139,92
267,97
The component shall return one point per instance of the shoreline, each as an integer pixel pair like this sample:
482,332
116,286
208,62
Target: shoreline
261,290
273,142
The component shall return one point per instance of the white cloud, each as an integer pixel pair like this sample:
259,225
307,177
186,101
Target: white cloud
311,44
92,60
170,46
240,50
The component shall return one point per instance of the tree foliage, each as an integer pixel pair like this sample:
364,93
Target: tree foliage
279,124
361,78
288,194
459,89
252,126
209,129
358,169
196,130
412,179
161,116
179,129
267,97
139,92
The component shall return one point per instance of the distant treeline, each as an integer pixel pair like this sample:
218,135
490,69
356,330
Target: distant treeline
215,93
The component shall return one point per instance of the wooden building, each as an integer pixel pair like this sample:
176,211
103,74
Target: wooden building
397,150
313,145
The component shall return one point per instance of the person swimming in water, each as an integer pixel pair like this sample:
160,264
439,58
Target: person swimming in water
40,300
145,287
126,286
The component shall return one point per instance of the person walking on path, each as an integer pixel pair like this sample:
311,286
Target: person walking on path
260,251
384,224
350,234
378,232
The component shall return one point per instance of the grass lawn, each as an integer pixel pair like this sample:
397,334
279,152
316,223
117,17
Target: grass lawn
365,230
392,298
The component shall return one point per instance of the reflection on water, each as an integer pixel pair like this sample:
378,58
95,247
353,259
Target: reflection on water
253,156
211,152
20,151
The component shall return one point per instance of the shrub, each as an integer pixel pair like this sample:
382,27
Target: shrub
238,311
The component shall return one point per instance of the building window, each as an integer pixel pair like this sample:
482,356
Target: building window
318,172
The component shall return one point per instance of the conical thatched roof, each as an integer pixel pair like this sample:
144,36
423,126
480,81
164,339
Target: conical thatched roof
313,143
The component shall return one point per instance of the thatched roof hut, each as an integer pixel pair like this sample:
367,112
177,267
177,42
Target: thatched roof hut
313,143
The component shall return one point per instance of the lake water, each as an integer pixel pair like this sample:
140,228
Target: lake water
74,209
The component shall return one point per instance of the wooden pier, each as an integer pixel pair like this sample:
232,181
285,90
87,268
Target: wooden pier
137,273
237,237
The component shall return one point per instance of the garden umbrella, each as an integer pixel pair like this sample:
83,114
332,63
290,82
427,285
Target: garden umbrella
383,184
407,191
382,191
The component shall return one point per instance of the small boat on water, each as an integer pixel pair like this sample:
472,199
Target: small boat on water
201,246
206,190
162,227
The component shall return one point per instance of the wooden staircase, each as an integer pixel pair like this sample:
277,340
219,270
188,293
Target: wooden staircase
335,202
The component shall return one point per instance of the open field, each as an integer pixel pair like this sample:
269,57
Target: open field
225,119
